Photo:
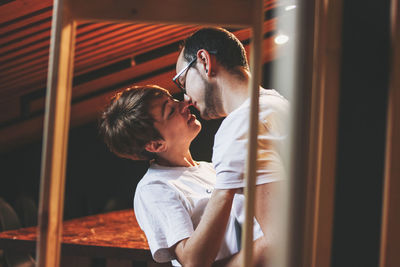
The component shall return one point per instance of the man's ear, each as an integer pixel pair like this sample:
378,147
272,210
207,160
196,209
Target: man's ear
156,146
208,61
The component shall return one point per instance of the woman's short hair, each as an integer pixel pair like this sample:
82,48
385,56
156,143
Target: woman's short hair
126,124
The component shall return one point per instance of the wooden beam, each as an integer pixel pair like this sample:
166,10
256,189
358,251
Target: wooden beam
390,232
172,11
55,136
256,12
323,133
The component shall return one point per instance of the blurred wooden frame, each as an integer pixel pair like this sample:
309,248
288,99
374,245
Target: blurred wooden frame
58,99
390,233
323,115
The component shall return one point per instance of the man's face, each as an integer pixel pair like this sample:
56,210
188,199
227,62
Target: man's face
202,92
173,120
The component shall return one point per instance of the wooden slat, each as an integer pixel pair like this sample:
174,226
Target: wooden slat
20,8
133,46
34,38
37,73
116,78
35,54
38,52
31,62
26,40
173,11
129,35
128,51
38,66
42,15
390,232
55,136
35,69
86,38
25,67
270,52
19,34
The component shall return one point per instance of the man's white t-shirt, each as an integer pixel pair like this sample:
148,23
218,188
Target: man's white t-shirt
169,203
230,143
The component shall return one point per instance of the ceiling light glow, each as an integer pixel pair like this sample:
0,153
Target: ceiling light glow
281,39
287,8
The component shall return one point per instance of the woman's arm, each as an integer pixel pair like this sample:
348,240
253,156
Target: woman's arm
202,247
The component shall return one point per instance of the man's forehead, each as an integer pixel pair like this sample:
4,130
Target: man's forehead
181,60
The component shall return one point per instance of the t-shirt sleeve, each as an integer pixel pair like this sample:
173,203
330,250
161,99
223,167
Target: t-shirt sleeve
163,218
230,152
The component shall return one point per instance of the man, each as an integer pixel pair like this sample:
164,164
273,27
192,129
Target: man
213,72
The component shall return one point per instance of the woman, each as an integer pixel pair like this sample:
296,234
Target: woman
146,123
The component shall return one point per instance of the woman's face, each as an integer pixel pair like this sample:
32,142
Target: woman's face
174,121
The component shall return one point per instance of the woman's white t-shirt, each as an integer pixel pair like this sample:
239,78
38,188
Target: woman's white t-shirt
169,203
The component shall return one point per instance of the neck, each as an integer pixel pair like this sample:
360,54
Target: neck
176,160
234,90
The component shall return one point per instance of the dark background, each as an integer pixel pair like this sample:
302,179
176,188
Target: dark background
98,181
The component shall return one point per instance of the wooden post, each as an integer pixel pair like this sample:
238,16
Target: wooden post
323,133
390,233
251,162
55,136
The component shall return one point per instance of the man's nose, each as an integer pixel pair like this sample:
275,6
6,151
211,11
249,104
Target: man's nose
185,104
187,98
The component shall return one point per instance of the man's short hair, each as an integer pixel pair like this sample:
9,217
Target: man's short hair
126,124
229,51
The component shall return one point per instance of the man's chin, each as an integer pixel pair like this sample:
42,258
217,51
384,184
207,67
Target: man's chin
207,116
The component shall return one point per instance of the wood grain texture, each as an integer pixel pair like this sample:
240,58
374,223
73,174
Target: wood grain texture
115,234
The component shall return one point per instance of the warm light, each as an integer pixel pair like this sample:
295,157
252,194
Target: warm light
290,7
281,39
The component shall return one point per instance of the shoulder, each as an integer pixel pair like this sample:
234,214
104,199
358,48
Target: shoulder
273,102
153,187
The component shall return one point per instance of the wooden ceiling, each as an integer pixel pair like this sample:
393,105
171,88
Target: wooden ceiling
108,56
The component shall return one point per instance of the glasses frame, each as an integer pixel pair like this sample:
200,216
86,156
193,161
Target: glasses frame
184,70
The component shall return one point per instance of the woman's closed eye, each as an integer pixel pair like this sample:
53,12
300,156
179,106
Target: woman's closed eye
173,107
171,112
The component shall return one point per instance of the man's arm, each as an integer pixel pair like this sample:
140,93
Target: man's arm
266,206
259,256
267,198
202,247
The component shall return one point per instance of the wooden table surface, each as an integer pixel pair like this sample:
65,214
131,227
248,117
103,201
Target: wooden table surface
110,235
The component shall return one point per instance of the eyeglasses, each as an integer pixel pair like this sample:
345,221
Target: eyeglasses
178,79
